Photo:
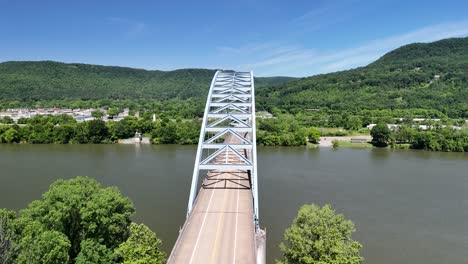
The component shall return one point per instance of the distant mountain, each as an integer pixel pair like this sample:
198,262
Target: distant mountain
49,80
263,81
421,75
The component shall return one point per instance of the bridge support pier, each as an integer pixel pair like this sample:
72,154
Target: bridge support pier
260,246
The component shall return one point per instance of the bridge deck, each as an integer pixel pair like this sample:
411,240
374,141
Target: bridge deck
220,228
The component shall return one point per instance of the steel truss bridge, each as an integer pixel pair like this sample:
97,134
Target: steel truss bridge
222,224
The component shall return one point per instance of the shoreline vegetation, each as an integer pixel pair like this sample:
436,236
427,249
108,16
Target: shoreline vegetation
280,130
419,91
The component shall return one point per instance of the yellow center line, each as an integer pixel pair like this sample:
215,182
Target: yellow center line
220,221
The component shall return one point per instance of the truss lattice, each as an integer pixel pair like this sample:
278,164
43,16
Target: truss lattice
228,127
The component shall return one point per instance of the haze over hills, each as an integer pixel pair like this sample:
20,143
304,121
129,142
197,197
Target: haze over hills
421,75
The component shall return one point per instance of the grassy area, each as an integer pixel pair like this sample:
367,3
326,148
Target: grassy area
360,132
341,132
369,145
354,145
332,131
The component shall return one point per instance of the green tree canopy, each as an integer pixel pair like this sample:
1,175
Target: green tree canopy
313,134
98,114
319,235
380,135
113,112
38,245
77,221
142,247
7,236
97,131
81,209
11,136
93,252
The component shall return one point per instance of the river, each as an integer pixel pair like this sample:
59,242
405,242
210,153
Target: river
407,206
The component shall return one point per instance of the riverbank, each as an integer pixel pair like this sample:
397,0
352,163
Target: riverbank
345,140
144,140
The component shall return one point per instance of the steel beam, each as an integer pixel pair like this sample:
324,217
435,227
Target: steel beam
237,129
226,167
234,103
238,115
218,146
229,113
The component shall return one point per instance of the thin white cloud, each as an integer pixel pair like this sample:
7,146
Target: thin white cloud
130,28
245,49
268,59
331,13
311,15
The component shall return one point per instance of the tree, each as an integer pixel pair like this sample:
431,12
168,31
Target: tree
7,243
313,134
353,123
141,247
380,135
94,253
81,133
113,112
404,134
121,129
168,133
7,120
80,209
64,133
318,235
97,131
98,114
11,136
40,246
424,140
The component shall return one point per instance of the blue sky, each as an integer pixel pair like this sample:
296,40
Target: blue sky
290,38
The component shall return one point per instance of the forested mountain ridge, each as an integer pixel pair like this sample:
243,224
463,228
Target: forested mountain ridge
49,80
421,75
431,76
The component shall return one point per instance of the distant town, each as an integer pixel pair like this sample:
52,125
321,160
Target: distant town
79,114
420,127
87,114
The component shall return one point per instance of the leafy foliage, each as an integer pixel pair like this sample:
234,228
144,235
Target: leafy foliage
94,253
142,247
318,235
81,209
37,245
424,76
281,131
313,134
441,139
97,131
31,81
77,221
417,80
380,135
7,236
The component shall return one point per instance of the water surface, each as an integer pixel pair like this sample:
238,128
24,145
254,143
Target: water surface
408,206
